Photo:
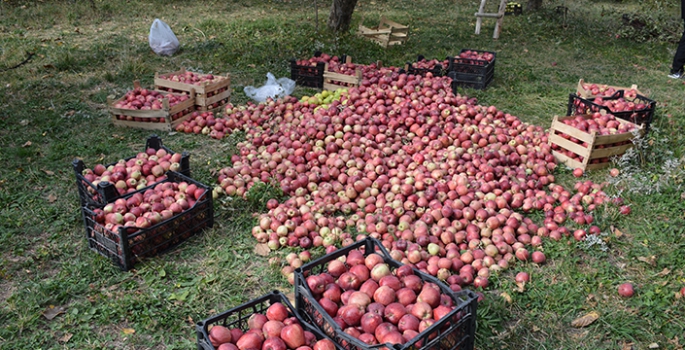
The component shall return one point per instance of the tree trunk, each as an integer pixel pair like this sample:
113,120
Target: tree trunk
533,5
341,15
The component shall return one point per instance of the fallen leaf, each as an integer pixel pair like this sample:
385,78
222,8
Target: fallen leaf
585,320
262,249
27,144
251,65
664,272
52,198
616,232
52,311
653,346
506,297
25,122
627,346
521,287
49,172
66,337
648,260
128,330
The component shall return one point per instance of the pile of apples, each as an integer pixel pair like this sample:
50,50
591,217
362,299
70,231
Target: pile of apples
375,303
144,99
273,330
475,57
145,169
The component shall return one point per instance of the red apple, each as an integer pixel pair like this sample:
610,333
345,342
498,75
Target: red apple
277,312
394,312
429,294
256,321
370,322
441,311
422,310
293,335
383,329
332,292
351,314
408,322
329,306
336,268
274,343
324,344
405,296
384,295
219,335
249,341
349,281
626,290
360,271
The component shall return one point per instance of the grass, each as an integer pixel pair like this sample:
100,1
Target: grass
52,109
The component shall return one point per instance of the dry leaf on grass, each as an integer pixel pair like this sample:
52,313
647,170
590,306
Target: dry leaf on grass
585,320
52,198
49,172
616,232
27,144
648,260
128,331
65,338
262,249
53,311
506,297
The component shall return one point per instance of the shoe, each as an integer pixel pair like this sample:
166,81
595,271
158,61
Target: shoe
676,75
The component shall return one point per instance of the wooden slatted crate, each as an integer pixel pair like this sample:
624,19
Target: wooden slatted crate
578,149
387,33
333,80
165,119
209,95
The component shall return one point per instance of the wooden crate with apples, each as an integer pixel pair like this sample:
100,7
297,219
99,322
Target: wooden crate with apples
388,33
212,91
588,150
592,90
334,80
165,118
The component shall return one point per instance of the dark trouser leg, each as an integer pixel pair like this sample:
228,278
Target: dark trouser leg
679,59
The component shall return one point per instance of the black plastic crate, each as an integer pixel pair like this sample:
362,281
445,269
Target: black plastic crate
471,81
454,331
513,8
88,192
309,76
437,71
483,68
645,116
237,318
126,246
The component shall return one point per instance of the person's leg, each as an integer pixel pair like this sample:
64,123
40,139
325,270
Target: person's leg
679,59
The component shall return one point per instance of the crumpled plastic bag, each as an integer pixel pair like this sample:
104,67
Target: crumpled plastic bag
162,39
272,88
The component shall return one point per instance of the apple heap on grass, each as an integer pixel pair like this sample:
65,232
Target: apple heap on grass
273,330
375,303
145,169
434,176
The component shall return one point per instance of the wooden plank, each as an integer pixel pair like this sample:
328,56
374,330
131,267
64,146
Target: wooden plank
571,131
489,15
569,162
141,125
200,100
568,145
610,151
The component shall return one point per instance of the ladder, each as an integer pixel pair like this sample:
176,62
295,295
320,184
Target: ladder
499,15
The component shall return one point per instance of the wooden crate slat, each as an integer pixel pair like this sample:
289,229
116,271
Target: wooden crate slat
201,89
569,145
208,101
571,131
570,162
610,151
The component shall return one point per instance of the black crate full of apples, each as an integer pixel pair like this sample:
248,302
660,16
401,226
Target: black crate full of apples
360,297
149,221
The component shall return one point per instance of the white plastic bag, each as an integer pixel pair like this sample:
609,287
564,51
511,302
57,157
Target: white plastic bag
162,39
272,88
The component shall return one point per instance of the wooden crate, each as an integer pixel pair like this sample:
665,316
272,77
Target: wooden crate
598,150
333,81
165,119
582,92
207,95
387,33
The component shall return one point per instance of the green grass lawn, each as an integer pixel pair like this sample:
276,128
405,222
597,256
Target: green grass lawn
53,109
